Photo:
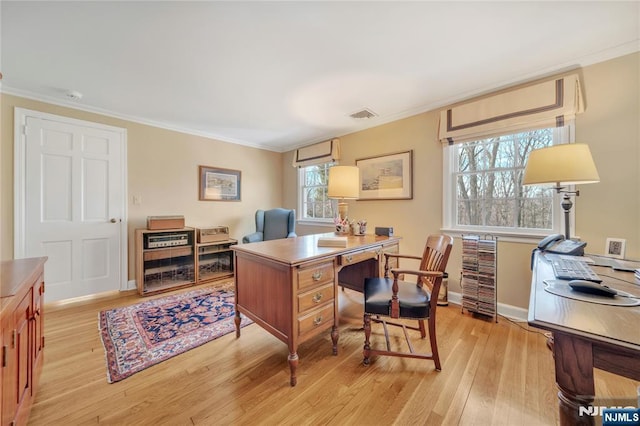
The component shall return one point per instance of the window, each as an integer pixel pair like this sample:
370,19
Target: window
483,185
315,205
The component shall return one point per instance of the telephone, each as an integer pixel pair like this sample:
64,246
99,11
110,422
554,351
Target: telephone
556,243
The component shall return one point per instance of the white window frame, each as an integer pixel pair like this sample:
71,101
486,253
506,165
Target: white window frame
565,134
300,216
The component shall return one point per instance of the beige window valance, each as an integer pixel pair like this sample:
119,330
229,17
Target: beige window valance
318,153
546,104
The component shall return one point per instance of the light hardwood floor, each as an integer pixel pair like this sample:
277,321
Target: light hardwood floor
492,374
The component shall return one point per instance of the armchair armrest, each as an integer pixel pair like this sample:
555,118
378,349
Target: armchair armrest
400,256
398,271
395,304
387,256
252,238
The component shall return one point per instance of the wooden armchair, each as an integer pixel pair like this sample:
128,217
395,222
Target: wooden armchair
397,299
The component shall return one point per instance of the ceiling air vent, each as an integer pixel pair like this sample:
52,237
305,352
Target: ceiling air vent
364,114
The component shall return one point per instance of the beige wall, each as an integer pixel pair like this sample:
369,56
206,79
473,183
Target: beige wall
163,171
611,208
611,127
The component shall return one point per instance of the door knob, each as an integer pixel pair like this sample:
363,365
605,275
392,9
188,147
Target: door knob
113,220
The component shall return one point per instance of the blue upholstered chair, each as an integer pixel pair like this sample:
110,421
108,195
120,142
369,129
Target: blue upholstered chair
272,225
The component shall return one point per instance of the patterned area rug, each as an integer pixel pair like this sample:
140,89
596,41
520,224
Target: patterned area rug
139,336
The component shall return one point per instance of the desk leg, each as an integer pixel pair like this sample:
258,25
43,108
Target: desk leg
237,320
293,366
334,339
574,376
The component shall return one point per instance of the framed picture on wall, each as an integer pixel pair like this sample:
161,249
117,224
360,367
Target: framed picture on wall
386,177
216,184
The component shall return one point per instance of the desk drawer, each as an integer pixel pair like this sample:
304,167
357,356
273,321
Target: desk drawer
358,256
316,275
315,319
315,297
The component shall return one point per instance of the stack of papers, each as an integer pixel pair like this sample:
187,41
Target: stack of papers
332,242
638,274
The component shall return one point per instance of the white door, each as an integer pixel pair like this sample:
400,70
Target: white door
74,208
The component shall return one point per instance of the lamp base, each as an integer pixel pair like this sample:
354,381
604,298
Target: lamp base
343,210
566,205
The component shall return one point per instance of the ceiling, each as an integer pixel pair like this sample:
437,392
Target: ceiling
279,75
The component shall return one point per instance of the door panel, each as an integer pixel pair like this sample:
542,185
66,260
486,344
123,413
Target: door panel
95,194
56,189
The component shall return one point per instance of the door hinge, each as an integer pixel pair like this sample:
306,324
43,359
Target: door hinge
4,355
43,341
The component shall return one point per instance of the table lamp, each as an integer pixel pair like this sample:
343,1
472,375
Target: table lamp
344,182
562,165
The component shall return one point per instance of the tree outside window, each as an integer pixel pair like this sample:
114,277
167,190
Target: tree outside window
488,183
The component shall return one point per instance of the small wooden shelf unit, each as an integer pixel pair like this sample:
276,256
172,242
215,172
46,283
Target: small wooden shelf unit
168,259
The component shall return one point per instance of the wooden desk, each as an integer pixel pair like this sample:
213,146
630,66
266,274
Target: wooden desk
585,336
289,286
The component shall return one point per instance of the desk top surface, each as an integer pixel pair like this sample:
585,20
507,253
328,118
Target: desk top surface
617,325
305,248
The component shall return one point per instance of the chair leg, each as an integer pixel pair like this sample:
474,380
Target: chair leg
423,331
434,343
366,352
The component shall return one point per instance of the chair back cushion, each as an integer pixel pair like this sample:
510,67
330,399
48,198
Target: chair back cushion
276,223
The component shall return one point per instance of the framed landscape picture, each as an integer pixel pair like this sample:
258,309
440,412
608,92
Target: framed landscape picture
386,177
216,184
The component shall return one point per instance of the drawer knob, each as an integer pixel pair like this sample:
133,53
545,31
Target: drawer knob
349,258
317,297
317,275
317,320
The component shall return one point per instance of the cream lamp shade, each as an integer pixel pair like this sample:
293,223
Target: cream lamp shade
344,182
565,164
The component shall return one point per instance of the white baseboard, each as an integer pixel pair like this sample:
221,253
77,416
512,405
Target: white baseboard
512,312
131,285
